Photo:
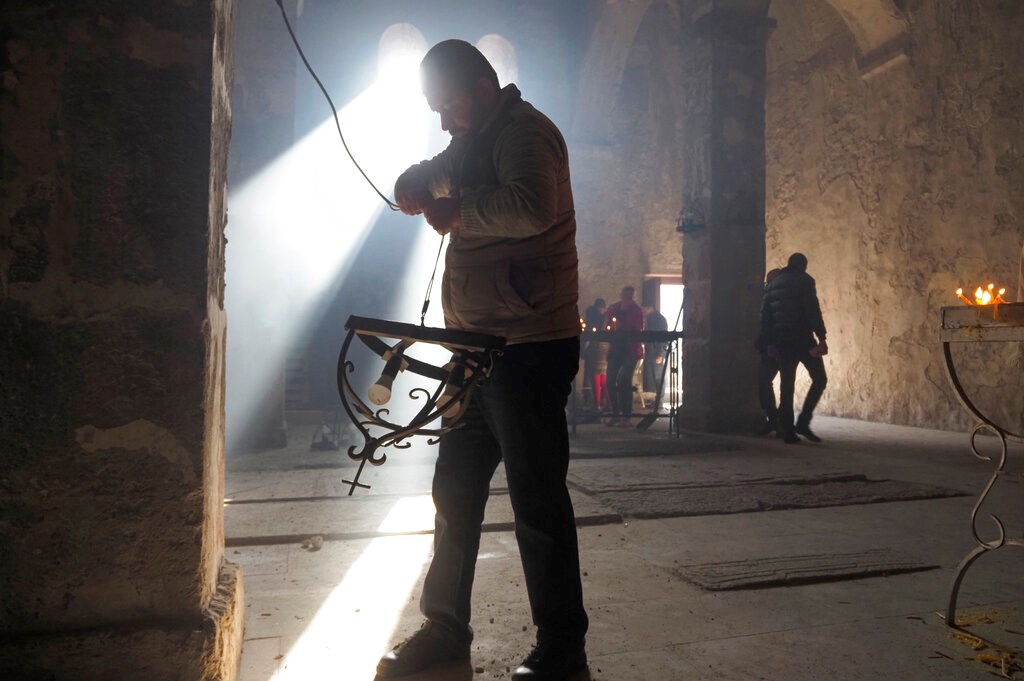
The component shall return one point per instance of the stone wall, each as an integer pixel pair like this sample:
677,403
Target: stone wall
894,162
900,185
115,123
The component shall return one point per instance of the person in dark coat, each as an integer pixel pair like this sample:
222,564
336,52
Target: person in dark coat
793,332
654,354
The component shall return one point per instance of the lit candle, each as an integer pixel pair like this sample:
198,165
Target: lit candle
995,302
961,296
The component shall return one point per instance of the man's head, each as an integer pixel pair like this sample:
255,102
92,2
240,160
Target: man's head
798,262
627,293
599,304
772,273
459,84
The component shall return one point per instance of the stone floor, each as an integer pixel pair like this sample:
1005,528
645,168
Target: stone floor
704,557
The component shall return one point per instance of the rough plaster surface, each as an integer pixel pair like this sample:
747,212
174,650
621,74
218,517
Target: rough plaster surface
215,325
207,649
900,188
114,137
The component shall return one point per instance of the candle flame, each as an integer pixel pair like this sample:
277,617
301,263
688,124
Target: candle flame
984,296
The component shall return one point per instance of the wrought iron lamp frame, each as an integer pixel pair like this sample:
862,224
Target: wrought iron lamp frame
473,356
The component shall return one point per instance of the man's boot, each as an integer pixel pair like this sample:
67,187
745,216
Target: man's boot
803,428
553,662
431,647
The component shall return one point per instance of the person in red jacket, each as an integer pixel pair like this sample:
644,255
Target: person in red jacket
624,315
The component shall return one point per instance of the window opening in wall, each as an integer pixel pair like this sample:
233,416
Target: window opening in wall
502,55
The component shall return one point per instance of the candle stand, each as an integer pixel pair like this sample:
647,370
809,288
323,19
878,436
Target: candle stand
981,324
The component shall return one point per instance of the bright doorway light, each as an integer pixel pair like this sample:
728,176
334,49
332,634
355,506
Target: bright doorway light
671,296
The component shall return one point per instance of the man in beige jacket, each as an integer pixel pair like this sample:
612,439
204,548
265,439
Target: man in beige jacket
501,190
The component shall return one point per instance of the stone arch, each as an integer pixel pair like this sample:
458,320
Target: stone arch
605,61
880,30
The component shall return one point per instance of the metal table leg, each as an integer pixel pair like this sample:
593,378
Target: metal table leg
984,546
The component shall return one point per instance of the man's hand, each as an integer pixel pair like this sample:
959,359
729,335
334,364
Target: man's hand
819,350
412,202
444,215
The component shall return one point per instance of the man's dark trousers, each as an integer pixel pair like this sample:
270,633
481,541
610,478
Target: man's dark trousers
517,415
621,367
767,369
789,358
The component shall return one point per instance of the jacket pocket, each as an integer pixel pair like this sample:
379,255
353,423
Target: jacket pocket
498,294
528,286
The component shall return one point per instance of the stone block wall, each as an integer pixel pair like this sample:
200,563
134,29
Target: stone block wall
900,185
115,125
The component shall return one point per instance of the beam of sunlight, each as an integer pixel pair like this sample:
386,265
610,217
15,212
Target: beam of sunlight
296,227
355,624
410,514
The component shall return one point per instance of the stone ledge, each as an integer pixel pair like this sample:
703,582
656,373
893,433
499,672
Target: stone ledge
206,649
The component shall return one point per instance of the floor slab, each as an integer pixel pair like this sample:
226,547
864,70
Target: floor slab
328,612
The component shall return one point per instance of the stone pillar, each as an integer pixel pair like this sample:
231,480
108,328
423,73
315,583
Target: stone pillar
723,212
114,125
